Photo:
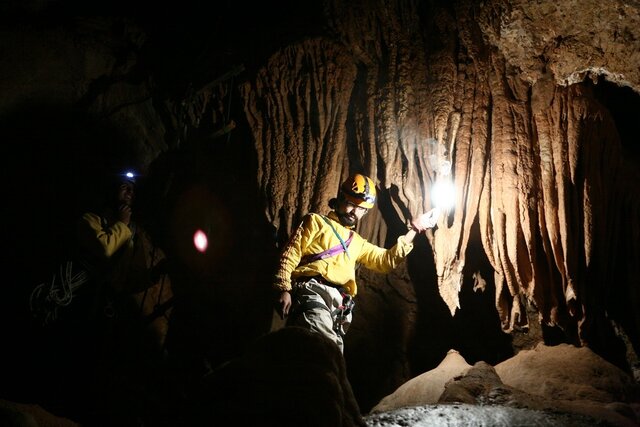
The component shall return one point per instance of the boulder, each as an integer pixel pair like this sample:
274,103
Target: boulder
425,388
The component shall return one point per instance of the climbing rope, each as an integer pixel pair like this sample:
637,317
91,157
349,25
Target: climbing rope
47,298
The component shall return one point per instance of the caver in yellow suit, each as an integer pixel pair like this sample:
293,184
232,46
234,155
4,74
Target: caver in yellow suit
317,266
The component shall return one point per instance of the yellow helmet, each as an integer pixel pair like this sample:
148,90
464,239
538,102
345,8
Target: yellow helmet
359,190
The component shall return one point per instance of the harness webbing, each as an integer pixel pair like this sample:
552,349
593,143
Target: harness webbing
335,250
344,245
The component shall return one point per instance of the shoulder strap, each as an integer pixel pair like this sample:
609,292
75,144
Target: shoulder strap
344,245
335,250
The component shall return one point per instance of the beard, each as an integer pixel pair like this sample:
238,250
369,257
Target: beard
348,220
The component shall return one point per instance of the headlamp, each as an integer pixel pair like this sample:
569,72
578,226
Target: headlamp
129,176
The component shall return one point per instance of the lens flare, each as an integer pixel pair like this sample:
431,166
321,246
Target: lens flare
200,241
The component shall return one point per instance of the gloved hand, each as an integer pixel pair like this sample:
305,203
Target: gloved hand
426,220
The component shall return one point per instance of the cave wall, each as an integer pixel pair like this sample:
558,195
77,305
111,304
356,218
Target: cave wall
544,232
535,156
505,92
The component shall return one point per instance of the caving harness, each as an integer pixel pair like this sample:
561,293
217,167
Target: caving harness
337,249
341,313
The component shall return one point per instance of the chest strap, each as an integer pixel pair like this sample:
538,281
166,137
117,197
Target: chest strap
337,249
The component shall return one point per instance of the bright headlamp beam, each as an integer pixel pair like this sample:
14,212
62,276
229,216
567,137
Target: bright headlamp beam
443,194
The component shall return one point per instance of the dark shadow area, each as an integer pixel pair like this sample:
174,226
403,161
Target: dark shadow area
223,294
622,287
315,393
624,105
474,330
56,162
192,45
434,324
477,328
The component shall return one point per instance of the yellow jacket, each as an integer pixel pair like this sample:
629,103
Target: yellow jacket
314,236
101,239
106,249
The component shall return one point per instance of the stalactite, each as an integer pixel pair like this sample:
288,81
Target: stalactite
297,108
528,154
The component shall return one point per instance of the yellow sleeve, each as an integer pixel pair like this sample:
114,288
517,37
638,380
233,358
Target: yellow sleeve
293,252
384,260
101,241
